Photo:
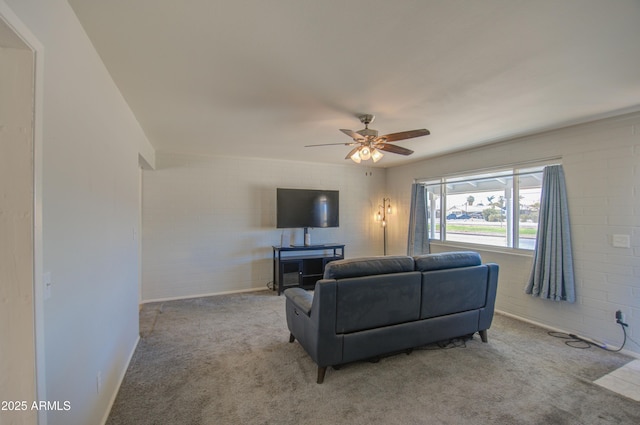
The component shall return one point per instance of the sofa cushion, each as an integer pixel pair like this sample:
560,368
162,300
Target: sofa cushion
367,266
368,302
447,260
453,291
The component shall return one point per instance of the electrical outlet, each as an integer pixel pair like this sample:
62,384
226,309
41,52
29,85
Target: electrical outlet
620,317
621,241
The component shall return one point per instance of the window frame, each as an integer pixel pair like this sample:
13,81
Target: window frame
513,211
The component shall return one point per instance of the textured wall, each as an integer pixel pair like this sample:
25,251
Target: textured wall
602,166
209,223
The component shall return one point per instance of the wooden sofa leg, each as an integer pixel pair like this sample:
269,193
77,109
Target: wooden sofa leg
291,337
321,372
483,335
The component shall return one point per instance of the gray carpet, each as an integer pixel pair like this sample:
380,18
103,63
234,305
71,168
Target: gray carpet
227,360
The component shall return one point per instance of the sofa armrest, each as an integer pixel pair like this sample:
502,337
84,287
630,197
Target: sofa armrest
486,313
316,330
300,298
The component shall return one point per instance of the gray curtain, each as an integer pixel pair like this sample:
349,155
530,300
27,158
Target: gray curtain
552,274
418,240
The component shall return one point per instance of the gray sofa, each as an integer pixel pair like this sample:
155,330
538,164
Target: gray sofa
368,307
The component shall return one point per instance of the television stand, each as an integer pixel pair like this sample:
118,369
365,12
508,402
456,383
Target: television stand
302,266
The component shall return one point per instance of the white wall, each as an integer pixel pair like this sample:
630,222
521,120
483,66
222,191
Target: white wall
209,223
602,167
91,142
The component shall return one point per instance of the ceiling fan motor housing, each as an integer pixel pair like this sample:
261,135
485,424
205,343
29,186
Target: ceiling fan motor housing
368,133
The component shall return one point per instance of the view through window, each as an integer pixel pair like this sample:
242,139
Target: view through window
498,208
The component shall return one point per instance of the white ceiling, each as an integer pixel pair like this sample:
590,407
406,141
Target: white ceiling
258,78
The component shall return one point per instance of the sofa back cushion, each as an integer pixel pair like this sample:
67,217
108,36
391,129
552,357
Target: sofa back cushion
447,260
368,302
450,291
367,266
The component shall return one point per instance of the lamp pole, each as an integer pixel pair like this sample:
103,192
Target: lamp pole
381,216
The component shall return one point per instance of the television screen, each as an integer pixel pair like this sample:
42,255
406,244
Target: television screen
307,208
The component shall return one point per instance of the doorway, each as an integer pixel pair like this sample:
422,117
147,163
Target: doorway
21,332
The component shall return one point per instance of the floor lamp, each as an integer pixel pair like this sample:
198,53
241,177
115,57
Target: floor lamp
381,216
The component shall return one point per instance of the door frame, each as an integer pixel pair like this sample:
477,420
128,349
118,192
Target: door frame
22,31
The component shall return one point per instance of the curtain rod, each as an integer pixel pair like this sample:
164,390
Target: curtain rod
543,161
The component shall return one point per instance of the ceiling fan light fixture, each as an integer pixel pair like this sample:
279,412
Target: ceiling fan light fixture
376,155
367,144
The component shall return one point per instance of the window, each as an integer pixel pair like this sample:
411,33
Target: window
498,208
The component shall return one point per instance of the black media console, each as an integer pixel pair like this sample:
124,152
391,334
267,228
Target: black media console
302,266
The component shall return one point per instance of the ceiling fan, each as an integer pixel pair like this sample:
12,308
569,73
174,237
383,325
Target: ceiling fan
368,144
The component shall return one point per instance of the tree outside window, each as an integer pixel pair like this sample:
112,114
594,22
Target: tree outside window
497,209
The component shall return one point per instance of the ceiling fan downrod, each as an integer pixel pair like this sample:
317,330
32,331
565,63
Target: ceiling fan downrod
367,132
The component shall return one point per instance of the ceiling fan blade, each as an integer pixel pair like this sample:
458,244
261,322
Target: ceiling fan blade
404,135
354,150
393,149
352,134
330,144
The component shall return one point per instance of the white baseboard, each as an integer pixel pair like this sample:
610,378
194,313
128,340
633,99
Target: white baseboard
533,322
120,379
211,294
554,329
135,346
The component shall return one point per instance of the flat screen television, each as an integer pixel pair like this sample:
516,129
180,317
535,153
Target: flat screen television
307,208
